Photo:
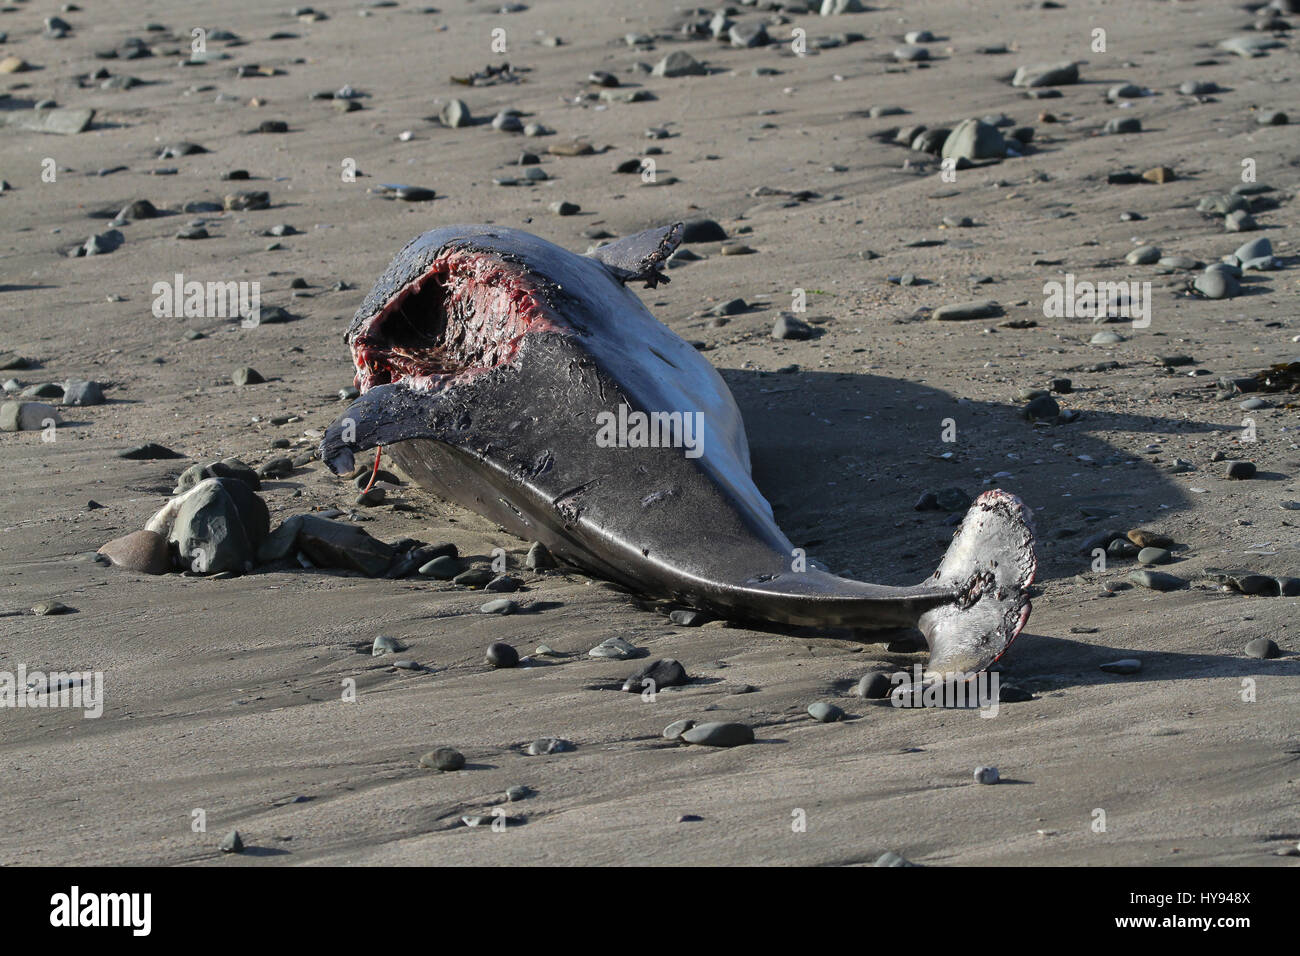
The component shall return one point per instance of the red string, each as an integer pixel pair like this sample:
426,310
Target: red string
374,474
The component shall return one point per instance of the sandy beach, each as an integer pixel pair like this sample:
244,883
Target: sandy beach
226,701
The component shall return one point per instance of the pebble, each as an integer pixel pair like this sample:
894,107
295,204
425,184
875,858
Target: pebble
27,416
657,675
986,775
719,734
615,648
499,606
1240,470
1128,665
702,230
1149,556
678,727
414,193
504,584
455,114
1042,408
548,745
1240,221
1255,249
1216,284
539,557
1046,74
688,617
50,608
501,654
1263,648
1156,580
384,645
824,712
1143,256
149,451
143,551
892,859
518,792
973,139
507,122
1123,91
445,759
787,326
875,686
247,376
564,208
966,311
945,499
444,567
679,63
232,842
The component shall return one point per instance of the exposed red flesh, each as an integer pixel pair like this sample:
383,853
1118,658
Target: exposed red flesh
466,314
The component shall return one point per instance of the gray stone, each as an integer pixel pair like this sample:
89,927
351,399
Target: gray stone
1143,256
1157,580
875,686
1216,284
544,746
1263,648
143,551
679,63
824,712
974,139
615,648
657,675
218,525
446,759
27,416
678,727
63,121
719,734
1255,249
1046,74
1127,665
1123,124
455,114
384,645
501,654
965,311
334,544
83,393
444,568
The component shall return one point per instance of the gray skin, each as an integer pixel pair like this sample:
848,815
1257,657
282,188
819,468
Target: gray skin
516,441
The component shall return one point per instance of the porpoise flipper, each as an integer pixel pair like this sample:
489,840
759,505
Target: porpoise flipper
383,415
641,257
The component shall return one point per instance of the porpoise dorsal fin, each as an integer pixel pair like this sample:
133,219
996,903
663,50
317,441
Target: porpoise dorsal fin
640,257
